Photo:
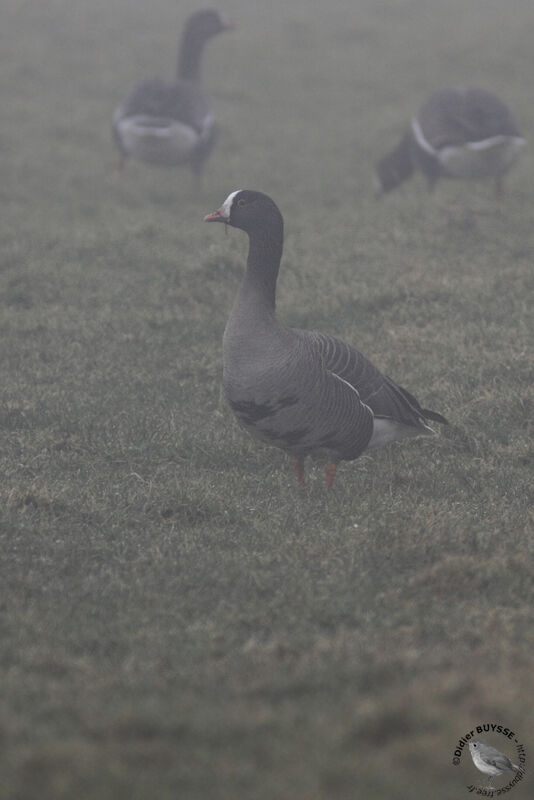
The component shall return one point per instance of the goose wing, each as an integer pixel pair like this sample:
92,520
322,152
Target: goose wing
160,100
385,398
457,116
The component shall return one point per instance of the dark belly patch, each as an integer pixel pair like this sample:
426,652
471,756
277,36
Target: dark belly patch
250,413
285,438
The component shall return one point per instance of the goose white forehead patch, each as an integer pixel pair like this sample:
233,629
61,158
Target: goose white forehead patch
227,205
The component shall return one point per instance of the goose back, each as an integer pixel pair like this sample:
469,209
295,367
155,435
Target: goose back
470,132
457,116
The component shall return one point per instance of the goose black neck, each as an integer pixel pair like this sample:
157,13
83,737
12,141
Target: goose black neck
397,166
263,262
190,54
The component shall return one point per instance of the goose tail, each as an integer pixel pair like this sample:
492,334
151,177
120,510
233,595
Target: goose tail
433,415
414,404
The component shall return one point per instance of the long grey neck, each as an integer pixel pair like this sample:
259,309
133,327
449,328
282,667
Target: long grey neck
258,289
190,55
397,166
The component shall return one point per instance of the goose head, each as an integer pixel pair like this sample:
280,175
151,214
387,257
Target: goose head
207,23
198,30
248,210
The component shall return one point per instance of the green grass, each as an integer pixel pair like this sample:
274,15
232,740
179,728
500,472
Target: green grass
177,619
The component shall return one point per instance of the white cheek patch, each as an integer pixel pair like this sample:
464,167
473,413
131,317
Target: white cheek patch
227,205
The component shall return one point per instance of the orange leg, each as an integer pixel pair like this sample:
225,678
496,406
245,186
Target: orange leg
330,470
298,464
121,163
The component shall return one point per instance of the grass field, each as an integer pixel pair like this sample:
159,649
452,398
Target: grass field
177,619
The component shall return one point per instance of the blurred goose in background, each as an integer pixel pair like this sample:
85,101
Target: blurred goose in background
305,392
457,133
169,123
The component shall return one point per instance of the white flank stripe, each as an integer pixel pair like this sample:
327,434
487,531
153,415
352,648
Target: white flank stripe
486,144
421,141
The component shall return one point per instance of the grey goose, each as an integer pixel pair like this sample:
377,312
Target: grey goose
168,123
456,133
307,393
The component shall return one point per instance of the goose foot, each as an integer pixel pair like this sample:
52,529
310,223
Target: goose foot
121,163
298,464
330,471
